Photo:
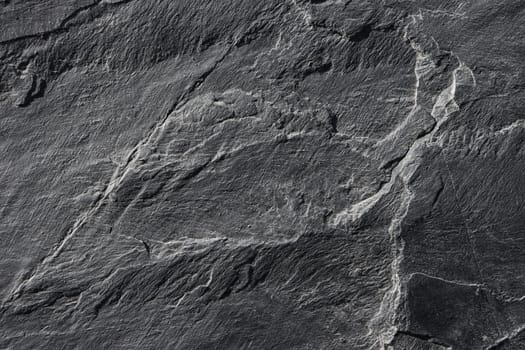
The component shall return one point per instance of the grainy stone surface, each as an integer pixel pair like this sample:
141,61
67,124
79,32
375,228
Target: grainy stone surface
270,174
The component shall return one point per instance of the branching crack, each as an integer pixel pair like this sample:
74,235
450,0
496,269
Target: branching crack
404,170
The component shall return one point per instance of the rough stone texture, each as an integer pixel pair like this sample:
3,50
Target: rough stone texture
237,174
